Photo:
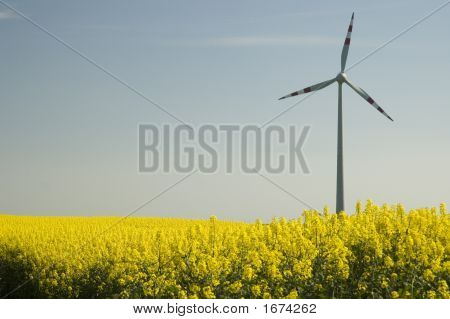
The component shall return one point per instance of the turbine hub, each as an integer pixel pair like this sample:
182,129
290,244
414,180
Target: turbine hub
341,77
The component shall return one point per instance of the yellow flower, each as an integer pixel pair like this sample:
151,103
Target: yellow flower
235,287
208,293
292,295
388,262
382,248
248,273
443,209
428,275
256,291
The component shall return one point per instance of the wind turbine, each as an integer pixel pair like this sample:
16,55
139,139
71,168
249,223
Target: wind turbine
340,79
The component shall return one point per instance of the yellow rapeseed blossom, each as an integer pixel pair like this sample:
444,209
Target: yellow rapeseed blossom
378,252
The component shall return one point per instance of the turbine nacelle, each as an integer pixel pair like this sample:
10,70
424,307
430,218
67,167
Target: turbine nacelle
341,77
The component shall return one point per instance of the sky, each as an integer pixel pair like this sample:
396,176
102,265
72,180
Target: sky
68,131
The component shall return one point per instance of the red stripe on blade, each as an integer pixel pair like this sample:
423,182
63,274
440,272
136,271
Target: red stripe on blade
370,100
307,90
347,41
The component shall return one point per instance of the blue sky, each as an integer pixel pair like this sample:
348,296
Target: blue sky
68,131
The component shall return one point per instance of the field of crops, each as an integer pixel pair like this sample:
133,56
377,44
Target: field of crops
375,252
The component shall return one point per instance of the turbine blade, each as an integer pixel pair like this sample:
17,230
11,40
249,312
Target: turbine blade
346,46
367,97
311,88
